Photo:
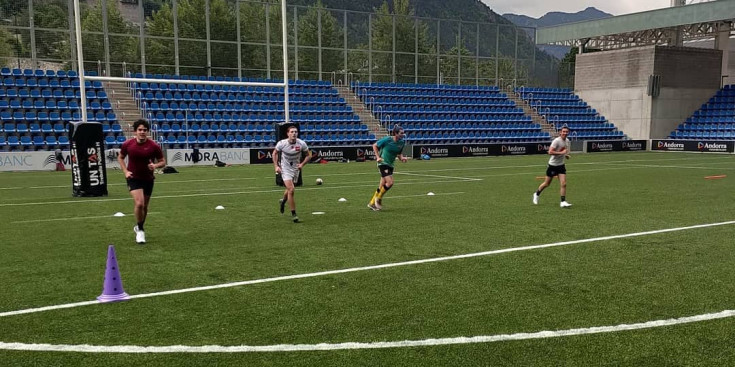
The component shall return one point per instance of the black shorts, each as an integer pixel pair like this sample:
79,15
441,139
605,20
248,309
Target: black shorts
385,170
552,171
146,185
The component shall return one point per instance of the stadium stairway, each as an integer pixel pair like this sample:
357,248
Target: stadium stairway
564,108
182,114
530,111
123,102
450,114
359,108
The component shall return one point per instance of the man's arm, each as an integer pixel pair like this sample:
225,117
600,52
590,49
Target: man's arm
160,161
553,151
306,160
123,167
377,152
275,160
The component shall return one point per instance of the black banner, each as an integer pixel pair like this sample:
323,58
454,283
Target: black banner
706,146
89,174
333,154
479,150
615,145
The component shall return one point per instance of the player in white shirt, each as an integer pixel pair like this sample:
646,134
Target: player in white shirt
559,150
288,162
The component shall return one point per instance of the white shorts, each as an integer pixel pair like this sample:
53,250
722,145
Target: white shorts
289,173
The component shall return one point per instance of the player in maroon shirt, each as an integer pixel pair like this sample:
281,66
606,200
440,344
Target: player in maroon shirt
144,156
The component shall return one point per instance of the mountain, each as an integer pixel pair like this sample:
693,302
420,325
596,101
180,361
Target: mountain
469,10
556,18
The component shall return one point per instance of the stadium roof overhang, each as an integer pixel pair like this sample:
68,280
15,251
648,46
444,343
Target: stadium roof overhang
656,27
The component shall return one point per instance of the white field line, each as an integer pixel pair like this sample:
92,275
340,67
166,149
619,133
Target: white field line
682,167
726,160
149,213
543,164
72,218
81,201
575,171
437,176
380,266
124,184
86,348
423,195
449,179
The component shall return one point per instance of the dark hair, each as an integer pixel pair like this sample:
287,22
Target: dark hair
139,122
396,129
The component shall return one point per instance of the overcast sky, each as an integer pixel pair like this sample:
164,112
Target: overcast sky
537,8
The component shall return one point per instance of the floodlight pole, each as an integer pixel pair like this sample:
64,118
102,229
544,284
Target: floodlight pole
80,60
284,41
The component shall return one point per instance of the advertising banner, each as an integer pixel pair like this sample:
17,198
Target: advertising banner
479,150
705,146
594,146
332,154
88,168
45,160
207,157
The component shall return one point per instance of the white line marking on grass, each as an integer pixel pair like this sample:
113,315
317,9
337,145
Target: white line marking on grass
86,348
381,266
70,218
437,176
86,200
450,179
544,165
682,167
424,195
536,173
123,183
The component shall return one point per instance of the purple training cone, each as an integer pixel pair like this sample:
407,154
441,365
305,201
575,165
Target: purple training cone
112,290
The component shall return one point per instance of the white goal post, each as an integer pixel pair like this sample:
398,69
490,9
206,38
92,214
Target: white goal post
83,78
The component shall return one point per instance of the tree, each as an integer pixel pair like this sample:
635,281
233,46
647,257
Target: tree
52,15
253,34
8,45
566,68
406,30
192,27
161,51
331,37
121,48
11,8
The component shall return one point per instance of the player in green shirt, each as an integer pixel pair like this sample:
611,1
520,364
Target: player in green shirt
386,150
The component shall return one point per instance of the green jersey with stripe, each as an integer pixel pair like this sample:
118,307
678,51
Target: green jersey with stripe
389,149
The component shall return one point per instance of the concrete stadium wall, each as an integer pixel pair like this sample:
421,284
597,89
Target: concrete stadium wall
615,84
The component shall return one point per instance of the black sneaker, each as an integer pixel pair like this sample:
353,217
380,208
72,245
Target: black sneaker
295,218
282,203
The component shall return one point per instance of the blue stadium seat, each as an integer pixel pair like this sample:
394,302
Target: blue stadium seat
13,141
38,141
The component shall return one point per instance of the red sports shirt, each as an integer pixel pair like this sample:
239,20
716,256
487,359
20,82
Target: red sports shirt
139,155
